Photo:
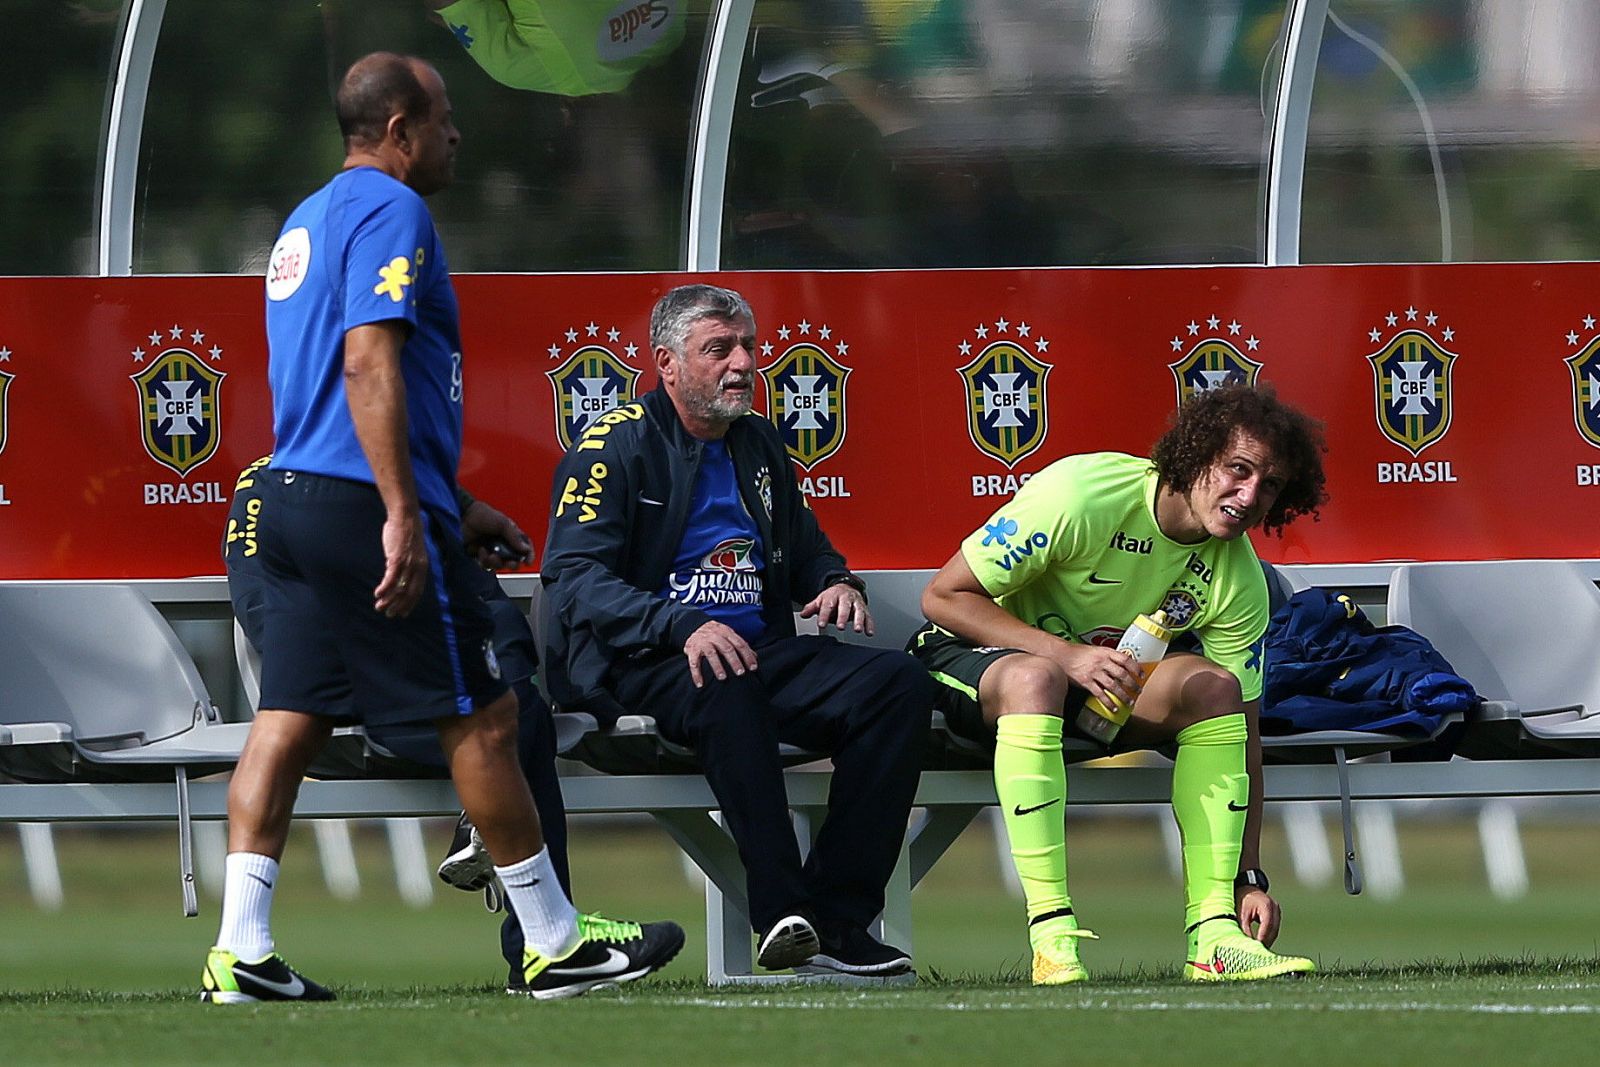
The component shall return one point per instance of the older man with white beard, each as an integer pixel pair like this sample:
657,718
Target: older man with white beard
679,547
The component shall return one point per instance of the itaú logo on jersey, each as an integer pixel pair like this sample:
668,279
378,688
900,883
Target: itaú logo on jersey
725,575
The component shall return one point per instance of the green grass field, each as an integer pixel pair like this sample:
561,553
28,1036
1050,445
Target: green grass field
1444,972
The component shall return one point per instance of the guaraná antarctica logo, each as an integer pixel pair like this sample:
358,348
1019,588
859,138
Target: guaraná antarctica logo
1213,358
1585,367
1007,417
592,381
180,399
806,391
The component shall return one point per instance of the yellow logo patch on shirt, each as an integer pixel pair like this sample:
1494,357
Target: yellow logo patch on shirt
394,278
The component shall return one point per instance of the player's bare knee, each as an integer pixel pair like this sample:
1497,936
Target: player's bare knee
1026,684
1208,692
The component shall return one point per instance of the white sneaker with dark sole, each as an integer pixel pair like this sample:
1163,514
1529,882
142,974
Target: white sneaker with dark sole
789,942
468,865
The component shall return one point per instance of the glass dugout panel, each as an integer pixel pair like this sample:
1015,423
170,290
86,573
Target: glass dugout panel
1454,130
55,63
940,133
574,116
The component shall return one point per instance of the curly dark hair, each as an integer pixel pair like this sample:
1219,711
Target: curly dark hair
1203,428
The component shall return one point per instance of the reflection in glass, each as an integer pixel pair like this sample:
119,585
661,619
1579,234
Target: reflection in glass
54,60
1454,130
900,133
585,172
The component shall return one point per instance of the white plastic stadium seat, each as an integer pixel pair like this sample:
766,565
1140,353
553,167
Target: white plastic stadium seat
1524,633
98,688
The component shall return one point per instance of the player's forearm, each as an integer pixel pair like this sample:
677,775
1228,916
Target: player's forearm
376,392
975,617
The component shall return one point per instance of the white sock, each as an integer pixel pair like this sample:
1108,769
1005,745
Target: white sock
549,921
247,905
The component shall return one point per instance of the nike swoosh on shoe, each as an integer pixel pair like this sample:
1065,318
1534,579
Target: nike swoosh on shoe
616,962
292,988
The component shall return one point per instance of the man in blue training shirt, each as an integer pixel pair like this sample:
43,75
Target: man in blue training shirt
367,602
679,547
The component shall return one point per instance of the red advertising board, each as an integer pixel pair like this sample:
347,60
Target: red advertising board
1462,403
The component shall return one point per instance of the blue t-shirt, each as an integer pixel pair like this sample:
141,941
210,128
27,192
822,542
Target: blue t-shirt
360,250
720,564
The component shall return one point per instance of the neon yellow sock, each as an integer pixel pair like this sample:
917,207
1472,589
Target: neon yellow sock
1031,782
1210,793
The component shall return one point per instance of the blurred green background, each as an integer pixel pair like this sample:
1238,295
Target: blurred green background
120,928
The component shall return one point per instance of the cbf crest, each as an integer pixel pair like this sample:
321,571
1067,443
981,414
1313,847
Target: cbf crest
1007,417
180,399
1412,382
806,396
1585,368
592,381
1214,358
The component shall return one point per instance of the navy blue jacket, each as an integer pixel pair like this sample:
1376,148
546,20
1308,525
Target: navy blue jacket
1329,668
617,515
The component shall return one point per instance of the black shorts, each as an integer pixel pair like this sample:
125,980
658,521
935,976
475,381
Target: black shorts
306,591
958,666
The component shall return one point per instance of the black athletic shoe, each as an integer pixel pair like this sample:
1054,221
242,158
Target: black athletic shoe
611,952
229,980
851,950
789,942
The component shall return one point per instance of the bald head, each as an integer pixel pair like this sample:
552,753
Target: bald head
375,89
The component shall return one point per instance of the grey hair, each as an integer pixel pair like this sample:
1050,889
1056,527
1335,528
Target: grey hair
677,312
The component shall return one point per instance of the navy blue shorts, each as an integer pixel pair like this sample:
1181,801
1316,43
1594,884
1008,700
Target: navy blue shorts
324,648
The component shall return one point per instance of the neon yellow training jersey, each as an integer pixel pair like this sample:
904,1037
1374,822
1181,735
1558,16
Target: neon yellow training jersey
1077,553
568,47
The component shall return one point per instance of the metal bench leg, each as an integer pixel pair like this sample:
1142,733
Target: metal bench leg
412,875
703,839
1352,869
191,905
39,857
338,856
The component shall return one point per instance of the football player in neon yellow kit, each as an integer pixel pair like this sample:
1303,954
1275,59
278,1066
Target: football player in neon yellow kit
1023,623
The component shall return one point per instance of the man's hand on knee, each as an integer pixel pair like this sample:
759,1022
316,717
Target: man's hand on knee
722,648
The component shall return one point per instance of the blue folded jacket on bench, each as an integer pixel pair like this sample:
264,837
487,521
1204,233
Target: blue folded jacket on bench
1329,668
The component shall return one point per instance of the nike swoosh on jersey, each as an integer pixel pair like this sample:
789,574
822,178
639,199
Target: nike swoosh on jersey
292,988
1237,807
616,962
1095,579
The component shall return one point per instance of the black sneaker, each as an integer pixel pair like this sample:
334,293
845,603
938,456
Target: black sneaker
229,980
789,942
851,950
611,952
468,865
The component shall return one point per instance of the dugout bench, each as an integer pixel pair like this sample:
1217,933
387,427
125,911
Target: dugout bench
643,773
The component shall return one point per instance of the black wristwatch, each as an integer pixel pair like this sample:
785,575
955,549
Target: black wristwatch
846,578
1251,878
